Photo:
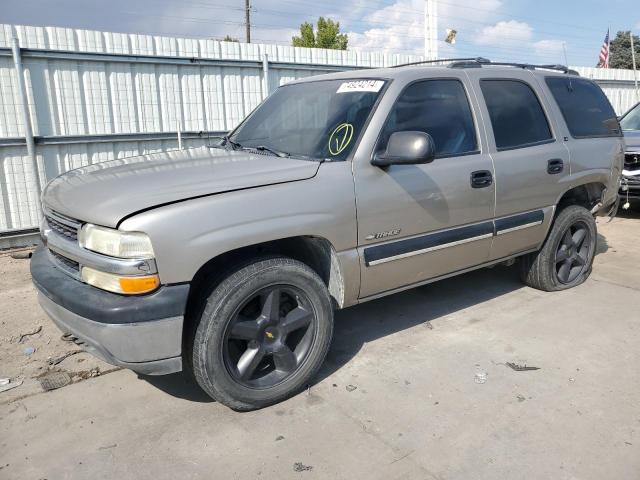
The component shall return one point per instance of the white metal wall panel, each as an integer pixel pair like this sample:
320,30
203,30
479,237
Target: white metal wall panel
11,124
110,97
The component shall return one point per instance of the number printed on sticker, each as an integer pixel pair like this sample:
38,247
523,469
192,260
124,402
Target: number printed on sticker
360,86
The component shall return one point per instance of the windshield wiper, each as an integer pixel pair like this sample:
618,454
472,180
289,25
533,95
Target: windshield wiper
227,141
263,148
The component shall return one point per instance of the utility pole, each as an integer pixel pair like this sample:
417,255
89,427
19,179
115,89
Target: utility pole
247,20
635,73
431,30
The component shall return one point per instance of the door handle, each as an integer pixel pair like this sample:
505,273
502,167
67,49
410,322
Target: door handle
555,165
481,179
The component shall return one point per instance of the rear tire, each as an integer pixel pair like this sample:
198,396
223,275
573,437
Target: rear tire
263,335
566,258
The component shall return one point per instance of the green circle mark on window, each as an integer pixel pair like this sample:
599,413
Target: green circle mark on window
340,138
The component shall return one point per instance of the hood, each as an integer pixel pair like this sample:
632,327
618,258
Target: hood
632,140
107,192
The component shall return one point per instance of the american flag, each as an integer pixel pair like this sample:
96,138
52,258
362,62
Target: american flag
603,61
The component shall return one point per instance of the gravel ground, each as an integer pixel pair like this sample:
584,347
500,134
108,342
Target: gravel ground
21,315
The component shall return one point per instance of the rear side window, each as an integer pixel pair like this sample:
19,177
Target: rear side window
517,117
584,107
439,108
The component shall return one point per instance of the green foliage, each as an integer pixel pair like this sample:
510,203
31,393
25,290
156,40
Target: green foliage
620,51
326,35
230,39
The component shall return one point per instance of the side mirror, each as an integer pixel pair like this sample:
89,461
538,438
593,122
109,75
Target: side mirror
406,148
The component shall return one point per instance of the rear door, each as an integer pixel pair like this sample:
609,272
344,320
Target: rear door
592,131
529,156
417,222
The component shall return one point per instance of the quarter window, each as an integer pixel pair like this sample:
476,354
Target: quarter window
439,108
584,107
517,117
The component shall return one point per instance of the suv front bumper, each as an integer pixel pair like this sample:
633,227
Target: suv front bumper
142,333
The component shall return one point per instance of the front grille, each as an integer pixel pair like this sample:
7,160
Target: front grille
64,229
632,161
66,263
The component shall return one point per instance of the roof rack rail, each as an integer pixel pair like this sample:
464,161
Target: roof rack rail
477,60
472,63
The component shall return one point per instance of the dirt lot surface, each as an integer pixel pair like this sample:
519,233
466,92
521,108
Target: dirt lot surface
416,386
24,327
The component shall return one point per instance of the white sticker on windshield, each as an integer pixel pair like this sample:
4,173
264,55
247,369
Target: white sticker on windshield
360,86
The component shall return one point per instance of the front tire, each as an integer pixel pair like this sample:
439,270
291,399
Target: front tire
263,334
566,257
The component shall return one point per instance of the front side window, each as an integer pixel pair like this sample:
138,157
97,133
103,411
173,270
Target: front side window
311,120
631,121
584,107
439,108
517,117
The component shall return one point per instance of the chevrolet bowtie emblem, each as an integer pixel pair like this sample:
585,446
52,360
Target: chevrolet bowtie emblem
269,334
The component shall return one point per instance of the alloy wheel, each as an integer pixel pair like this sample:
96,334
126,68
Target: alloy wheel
573,253
269,337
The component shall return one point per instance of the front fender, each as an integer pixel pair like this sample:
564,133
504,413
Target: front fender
186,235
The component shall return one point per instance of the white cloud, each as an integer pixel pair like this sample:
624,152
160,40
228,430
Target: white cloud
549,48
512,33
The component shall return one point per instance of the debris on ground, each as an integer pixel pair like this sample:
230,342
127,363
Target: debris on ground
57,360
54,380
21,255
350,388
300,467
520,368
481,377
428,325
68,337
7,384
521,398
28,334
279,437
28,351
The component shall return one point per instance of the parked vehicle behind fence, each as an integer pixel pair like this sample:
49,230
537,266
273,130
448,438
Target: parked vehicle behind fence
229,261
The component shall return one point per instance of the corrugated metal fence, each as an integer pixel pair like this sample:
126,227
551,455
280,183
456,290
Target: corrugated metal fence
94,96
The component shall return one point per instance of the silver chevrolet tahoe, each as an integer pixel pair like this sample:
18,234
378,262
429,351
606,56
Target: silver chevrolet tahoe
229,261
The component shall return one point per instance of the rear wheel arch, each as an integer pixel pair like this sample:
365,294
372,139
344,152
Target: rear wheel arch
586,195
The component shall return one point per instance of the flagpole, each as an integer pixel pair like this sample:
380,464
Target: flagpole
633,59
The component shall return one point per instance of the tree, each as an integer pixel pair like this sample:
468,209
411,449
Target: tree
229,38
620,51
326,35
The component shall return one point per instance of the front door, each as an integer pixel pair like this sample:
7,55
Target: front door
417,222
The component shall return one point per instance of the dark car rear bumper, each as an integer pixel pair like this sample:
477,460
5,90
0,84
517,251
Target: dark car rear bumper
142,333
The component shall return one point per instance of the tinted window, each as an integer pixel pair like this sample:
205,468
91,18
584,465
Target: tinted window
439,108
585,108
516,114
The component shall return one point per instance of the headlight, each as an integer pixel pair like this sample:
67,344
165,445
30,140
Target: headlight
115,243
120,284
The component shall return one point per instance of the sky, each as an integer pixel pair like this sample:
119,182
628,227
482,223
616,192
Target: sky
516,30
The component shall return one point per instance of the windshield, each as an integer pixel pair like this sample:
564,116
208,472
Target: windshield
315,120
631,120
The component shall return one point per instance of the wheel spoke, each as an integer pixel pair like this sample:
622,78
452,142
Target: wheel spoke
567,240
285,360
296,319
562,255
579,236
271,305
579,260
248,362
304,344
565,270
245,330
